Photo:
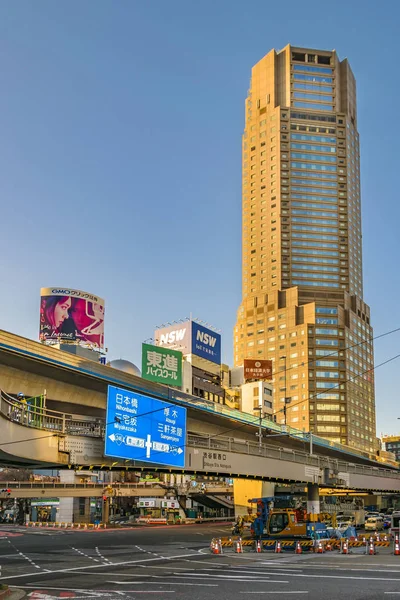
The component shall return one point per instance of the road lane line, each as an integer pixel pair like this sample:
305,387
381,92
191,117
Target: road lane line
89,567
277,592
162,583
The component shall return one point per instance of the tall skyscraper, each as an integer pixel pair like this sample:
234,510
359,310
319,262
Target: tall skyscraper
302,288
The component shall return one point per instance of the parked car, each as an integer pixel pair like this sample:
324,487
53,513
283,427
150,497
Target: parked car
374,524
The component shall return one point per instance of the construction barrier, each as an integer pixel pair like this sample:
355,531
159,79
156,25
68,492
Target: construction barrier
300,545
66,525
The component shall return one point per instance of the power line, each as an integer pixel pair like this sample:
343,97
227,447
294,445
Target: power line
352,377
246,424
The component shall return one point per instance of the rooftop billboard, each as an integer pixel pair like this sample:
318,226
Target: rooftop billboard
191,338
71,316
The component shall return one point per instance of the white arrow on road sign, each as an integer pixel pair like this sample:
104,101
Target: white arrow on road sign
180,450
112,437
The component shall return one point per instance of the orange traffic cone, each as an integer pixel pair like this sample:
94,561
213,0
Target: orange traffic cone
238,548
298,548
396,547
371,550
328,545
377,537
320,548
278,547
345,547
258,546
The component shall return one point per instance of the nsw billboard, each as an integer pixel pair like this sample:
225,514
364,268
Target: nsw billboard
142,428
206,343
176,337
162,365
71,315
260,370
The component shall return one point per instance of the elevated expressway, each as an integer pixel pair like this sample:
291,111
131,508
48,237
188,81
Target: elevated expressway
220,441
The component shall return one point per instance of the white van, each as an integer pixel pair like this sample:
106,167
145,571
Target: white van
374,524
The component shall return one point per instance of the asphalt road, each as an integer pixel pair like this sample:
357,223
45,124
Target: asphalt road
175,562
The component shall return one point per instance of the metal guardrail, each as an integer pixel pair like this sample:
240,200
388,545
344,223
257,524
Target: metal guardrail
56,485
280,453
49,420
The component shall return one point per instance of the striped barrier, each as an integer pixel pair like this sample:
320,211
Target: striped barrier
66,525
312,545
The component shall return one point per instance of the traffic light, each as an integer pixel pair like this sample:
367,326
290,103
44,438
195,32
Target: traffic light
6,491
104,498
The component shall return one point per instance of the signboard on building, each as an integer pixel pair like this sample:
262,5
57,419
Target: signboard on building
206,343
260,370
191,338
176,337
144,429
68,315
162,365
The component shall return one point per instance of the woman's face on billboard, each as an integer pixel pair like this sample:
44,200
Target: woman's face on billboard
61,311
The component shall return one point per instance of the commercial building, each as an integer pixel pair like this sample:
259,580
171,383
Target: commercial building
302,289
392,444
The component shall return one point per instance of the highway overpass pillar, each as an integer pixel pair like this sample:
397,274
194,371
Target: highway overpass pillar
313,506
105,513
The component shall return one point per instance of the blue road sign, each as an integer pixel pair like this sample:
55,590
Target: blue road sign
142,428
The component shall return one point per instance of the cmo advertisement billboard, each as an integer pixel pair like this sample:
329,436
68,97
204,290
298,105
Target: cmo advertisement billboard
257,369
71,315
162,365
191,338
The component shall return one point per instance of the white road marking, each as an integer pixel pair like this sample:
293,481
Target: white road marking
162,583
88,567
84,554
101,556
230,578
277,592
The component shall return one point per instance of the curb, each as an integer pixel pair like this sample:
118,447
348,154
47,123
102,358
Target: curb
4,593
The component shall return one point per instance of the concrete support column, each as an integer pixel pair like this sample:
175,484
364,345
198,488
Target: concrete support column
105,514
313,506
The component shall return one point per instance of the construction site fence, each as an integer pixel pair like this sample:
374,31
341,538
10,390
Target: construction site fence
332,544
66,525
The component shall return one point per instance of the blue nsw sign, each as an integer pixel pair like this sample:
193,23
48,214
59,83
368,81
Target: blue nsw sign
144,429
206,343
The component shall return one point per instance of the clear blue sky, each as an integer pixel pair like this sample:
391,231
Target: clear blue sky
120,157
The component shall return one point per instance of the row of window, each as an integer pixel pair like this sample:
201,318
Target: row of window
313,87
316,276
311,96
326,321
307,220
316,268
314,283
314,167
325,229
315,236
314,244
308,137
309,69
312,147
312,190
313,213
315,78
310,259
314,205
317,198
331,184
312,106
316,157
309,117
312,252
